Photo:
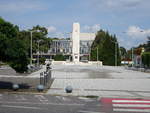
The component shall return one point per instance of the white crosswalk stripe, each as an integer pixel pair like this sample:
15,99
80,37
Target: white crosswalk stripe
127,105
131,105
132,110
130,101
41,98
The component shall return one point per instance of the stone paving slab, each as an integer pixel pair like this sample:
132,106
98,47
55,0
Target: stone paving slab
99,81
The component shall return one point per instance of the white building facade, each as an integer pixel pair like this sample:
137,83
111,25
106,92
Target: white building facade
79,44
76,42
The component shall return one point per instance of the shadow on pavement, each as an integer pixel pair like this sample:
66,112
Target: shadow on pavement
8,85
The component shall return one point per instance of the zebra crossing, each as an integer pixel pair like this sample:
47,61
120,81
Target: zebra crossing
126,105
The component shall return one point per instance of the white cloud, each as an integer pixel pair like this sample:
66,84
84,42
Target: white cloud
93,28
134,37
136,32
51,29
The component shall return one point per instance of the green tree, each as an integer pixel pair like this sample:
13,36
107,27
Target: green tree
12,49
123,53
146,59
106,46
148,44
39,34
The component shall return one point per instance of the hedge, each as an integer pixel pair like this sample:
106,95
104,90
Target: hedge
146,59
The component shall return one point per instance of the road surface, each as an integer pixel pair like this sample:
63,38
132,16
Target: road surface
40,103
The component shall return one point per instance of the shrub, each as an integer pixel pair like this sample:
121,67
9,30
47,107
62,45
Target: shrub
146,59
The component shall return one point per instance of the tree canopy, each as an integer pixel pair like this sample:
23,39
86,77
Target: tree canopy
15,44
106,47
39,34
12,49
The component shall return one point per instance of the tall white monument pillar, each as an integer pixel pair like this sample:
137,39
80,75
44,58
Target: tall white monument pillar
76,42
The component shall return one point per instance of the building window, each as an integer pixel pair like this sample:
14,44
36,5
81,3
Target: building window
76,57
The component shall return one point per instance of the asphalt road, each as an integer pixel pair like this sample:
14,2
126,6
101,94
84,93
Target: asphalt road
40,103
34,103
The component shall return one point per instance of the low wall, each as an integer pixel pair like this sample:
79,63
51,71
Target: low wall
98,63
58,62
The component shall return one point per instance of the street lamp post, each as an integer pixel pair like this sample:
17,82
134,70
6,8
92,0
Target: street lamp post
97,53
38,52
132,56
89,53
31,49
115,53
31,55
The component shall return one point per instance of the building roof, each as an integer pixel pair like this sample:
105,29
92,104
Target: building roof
87,36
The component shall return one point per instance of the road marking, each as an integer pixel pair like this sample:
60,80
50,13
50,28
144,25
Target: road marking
127,105
86,99
132,110
130,101
24,107
41,98
58,97
55,104
130,105
65,99
21,97
62,98
89,112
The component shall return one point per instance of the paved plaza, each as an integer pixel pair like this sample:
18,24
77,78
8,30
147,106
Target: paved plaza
99,81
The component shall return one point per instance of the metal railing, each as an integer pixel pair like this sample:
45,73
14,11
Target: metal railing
45,78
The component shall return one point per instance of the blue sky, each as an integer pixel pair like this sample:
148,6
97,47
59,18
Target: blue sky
125,18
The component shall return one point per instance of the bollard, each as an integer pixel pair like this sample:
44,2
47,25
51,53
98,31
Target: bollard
68,89
40,88
15,87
